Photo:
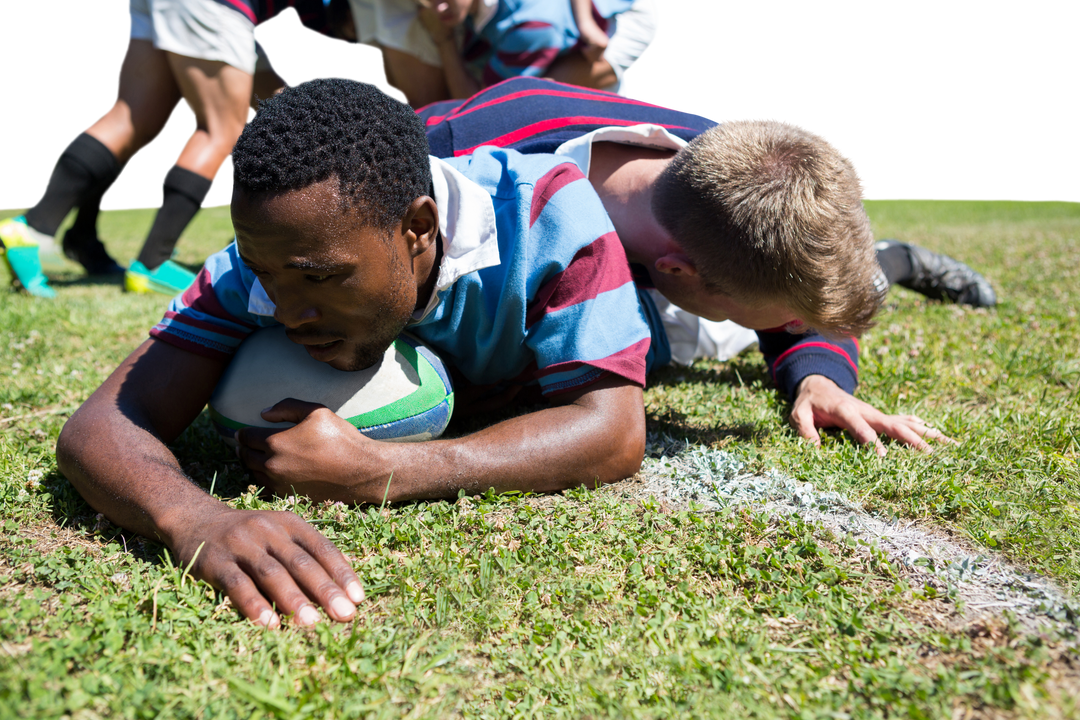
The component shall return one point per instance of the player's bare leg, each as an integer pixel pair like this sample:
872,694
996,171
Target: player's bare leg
219,95
266,84
148,93
146,98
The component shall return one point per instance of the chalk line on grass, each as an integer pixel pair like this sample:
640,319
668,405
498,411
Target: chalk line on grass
693,476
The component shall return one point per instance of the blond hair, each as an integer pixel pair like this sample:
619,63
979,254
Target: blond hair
770,212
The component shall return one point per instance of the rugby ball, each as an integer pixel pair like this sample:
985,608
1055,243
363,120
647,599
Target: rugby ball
405,397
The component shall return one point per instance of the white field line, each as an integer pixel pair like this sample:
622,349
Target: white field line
710,480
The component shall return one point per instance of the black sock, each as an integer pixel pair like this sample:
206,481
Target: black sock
85,224
184,193
895,262
85,170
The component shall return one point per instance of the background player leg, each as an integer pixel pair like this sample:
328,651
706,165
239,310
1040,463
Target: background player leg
91,163
219,95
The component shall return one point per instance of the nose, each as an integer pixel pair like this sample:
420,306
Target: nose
293,312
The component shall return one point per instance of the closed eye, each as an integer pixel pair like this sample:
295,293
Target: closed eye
317,278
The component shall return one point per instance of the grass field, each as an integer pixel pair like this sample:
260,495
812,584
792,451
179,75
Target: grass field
586,604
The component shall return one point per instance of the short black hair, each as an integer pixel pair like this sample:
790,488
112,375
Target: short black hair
309,133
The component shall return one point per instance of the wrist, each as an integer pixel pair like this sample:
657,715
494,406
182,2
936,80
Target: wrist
176,522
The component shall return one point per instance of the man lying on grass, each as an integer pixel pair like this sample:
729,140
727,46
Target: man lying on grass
506,264
645,162
346,233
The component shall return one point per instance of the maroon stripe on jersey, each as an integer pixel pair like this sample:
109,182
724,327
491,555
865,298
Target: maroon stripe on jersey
552,182
202,325
201,298
628,363
597,268
535,58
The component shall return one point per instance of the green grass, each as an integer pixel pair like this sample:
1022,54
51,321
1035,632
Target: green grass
586,604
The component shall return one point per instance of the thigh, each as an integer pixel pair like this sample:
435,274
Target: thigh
217,92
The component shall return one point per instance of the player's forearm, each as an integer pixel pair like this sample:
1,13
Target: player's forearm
113,448
545,451
597,438
125,472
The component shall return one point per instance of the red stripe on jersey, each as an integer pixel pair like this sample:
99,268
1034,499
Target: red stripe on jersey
553,124
596,96
248,13
827,346
597,268
628,363
201,298
552,182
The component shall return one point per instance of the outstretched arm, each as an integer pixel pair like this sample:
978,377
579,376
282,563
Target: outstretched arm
821,403
597,436
820,375
113,451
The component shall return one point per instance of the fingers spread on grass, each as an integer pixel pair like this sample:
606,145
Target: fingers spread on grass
911,431
802,419
851,418
248,600
316,583
261,559
334,561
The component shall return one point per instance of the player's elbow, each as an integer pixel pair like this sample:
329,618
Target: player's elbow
626,448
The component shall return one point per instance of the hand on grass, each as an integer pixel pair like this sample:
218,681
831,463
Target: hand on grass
821,403
271,564
322,458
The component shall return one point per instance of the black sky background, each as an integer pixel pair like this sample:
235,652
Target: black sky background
974,107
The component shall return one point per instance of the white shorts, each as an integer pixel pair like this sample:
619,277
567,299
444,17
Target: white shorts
201,29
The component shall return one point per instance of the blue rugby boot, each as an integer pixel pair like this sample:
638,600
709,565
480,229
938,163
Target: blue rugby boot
20,247
167,278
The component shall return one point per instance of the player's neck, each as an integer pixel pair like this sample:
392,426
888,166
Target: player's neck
624,176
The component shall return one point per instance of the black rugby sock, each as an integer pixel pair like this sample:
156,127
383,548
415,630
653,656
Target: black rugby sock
84,171
895,262
184,193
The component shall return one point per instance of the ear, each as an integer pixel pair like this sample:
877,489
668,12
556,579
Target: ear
676,263
420,226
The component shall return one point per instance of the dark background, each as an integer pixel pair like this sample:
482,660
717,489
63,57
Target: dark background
972,108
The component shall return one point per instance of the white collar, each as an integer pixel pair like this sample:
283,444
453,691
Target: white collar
466,225
579,150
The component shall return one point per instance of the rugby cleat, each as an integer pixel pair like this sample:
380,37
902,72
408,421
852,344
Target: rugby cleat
87,249
19,247
940,277
167,278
